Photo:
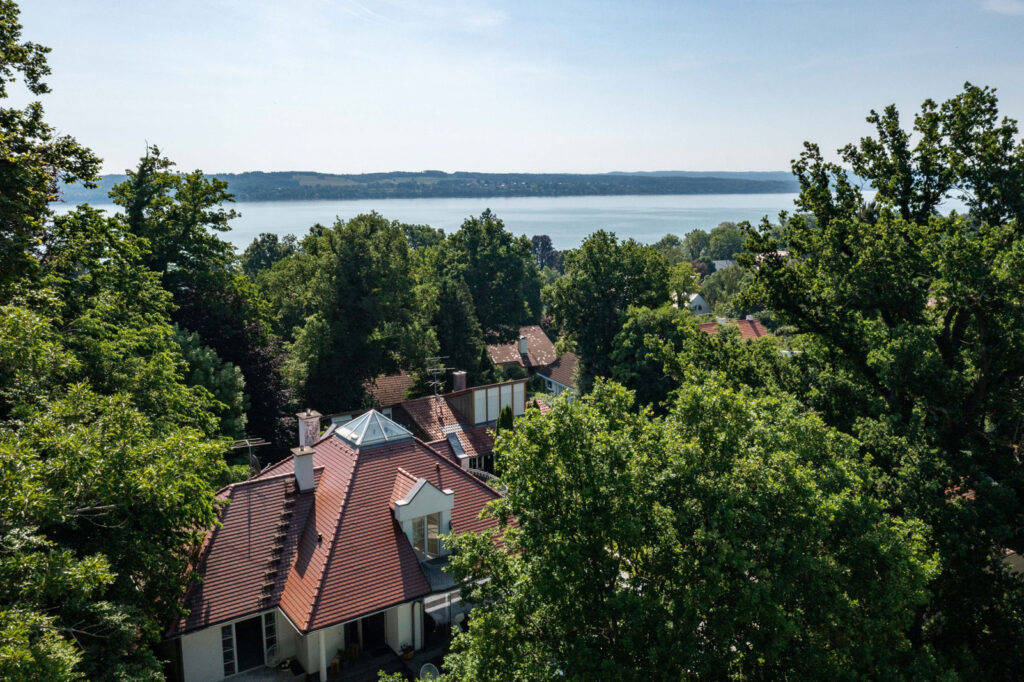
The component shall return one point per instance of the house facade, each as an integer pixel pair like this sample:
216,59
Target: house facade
560,375
330,555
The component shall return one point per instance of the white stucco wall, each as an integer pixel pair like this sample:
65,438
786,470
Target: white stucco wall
334,639
202,657
399,627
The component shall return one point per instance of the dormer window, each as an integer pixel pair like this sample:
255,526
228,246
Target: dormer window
424,512
426,536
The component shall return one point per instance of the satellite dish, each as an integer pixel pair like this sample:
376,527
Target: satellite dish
429,671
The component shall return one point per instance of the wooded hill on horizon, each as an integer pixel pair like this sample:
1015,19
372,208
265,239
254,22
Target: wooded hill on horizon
303,185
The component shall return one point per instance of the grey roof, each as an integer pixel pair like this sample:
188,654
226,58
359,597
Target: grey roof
372,428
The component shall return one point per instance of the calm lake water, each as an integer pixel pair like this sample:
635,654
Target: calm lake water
567,220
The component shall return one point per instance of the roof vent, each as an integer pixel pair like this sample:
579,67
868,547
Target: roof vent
372,428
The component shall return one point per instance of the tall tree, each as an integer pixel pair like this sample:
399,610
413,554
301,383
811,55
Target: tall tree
34,160
500,272
363,319
739,537
544,253
180,215
603,277
725,241
266,250
915,320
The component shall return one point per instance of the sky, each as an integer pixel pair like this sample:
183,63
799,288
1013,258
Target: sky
353,86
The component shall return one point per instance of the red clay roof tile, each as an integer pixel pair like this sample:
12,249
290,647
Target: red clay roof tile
343,555
539,349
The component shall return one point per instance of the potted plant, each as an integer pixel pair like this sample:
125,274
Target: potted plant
407,651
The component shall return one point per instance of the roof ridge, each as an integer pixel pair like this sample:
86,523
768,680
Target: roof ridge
334,539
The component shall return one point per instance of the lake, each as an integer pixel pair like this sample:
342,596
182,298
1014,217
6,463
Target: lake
567,220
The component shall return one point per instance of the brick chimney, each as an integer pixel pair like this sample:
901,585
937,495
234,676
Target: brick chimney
309,427
522,345
459,380
303,461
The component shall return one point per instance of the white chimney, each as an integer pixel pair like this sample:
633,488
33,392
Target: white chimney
459,380
750,318
522,345
303,461
309,427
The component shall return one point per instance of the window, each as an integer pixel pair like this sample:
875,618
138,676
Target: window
426,536
270,634
227,643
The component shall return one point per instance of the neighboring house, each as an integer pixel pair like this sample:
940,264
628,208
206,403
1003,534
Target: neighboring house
560,375
386,390
723,264
531,351
698,304
335,552
750,328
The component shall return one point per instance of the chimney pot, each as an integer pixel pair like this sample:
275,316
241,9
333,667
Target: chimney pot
309,427
302,458
459,381
522,345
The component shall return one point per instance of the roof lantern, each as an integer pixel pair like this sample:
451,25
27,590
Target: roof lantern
372,428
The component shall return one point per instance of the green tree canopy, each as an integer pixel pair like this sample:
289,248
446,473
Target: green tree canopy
361,314
738,538
500,272
725,241
266,250
603,277
34,160
913,329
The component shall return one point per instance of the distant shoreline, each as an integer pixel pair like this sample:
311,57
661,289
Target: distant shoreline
304,186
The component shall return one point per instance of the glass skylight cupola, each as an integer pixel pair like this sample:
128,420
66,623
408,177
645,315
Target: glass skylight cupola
372,428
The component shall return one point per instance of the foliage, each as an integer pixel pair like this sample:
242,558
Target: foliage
34,160
721,289
266,250
640,349
500,272
544,253
222,379
603,277
725,241
682,281
913,330
737,538
360,314
179,216
421,236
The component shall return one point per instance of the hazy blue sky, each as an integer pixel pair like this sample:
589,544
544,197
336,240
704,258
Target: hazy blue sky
377,85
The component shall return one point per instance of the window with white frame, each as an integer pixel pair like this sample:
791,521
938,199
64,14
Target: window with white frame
227,643
426,536
270,634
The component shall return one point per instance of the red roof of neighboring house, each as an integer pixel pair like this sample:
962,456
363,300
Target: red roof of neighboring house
388,390
539,349
749,329
432,415
341,553
562,370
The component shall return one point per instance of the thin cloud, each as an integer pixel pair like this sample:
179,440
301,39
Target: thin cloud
1013,7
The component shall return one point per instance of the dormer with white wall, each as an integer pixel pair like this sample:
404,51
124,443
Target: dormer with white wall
424,512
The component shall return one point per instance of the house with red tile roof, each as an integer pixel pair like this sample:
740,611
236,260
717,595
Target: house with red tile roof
750,328
531,351
386,390
560,375
333,553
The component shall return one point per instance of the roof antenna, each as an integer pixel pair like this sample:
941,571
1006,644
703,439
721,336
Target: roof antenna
436,370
